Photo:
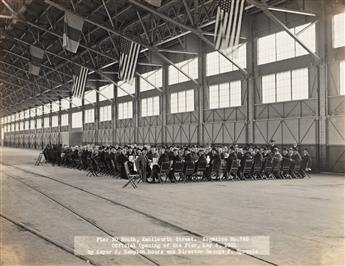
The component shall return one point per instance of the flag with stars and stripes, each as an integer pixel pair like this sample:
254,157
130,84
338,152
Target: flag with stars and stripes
79,83
129,53
228,24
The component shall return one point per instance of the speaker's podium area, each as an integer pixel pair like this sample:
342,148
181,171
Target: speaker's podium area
172,132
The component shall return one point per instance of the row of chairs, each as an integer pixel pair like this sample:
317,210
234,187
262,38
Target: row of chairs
189,172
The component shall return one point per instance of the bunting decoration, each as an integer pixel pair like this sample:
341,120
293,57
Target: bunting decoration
73,26
37,55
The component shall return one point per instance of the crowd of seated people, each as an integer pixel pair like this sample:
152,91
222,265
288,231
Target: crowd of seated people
184,163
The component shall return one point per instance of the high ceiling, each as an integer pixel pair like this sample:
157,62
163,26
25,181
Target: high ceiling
40,23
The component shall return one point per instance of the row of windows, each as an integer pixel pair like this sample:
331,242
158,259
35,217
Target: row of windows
271,48
37,123
278,87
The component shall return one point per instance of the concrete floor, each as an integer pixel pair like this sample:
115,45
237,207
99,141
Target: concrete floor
304,219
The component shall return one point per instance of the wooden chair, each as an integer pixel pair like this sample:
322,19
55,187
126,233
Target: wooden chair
247,169
234,169
222,170
257,170
276,168
200,171
189,171
285,170
164,172
267,172
215,170
39,159
93,168
131,177
178,170
296,172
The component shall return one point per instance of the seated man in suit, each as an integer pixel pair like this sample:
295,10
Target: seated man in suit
295,159
306,161
232,156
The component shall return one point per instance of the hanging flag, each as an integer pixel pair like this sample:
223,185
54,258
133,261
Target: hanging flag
156,3
79,83
129,53
37,55
228,24
73,26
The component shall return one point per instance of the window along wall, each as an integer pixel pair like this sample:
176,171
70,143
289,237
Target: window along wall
280,45
55,106
76,102
46,108
55,121
106,92
150,106
39,123
64,120
125,110
338,28
182,101
65,103
128,87
90,97
216,63
225,95
189,66
154,77
46,122
285,86
89,115
105,113
32,124
77,119
342,78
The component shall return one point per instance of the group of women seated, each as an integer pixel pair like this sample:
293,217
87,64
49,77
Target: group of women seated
184,163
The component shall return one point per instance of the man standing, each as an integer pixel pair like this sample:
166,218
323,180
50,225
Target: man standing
142,164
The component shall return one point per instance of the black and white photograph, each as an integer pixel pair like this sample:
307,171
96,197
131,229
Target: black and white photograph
172,132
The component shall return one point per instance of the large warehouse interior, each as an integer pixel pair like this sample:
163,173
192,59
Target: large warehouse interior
94,94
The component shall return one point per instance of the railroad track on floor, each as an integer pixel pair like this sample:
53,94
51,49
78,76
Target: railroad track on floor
47,239
161,221
85,219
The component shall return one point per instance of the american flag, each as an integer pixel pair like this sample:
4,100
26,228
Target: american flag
129,53
79,83
228,23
